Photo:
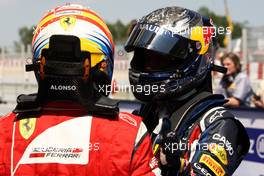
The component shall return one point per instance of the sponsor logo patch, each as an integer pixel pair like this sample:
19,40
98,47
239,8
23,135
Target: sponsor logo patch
61,143
54,152
212,165
201,169
260,146
128,119
27,127
216,115
203,35
225,141
219,152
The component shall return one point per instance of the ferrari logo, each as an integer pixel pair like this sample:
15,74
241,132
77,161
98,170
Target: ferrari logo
68,22
27,127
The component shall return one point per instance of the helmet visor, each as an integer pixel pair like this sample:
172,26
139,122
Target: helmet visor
158,39
151,61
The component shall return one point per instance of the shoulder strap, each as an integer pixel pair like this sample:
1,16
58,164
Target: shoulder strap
178,115
102,107
27,104
194,108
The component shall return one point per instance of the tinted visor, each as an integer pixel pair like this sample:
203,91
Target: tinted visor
158,39
151,61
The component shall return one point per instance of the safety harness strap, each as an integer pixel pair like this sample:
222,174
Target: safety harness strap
180,115
31,105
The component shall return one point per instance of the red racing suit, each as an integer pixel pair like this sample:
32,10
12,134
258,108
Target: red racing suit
68,142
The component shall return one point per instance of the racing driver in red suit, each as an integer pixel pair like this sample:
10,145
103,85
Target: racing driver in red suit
69,127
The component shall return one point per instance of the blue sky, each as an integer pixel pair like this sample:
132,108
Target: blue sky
17,13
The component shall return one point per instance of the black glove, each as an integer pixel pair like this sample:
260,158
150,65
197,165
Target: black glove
171,148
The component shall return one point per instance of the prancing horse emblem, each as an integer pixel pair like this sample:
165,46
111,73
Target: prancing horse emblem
68,22
27,127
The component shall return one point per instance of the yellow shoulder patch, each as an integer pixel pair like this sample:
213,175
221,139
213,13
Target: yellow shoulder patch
27,127
219,152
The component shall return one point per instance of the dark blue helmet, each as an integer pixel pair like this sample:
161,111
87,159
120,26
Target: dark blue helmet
173,53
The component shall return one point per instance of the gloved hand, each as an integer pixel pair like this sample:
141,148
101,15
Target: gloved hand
170,151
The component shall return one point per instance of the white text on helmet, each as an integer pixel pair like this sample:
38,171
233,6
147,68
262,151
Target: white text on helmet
156,29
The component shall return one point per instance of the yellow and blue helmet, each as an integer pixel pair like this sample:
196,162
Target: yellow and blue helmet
76,20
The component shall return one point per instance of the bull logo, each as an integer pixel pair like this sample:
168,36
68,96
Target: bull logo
203,35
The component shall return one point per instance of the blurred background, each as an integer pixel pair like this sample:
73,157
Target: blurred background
243,17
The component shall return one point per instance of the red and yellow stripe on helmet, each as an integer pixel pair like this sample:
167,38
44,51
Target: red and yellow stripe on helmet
74,19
